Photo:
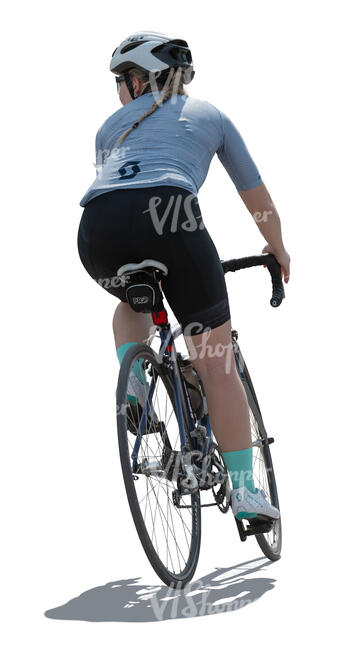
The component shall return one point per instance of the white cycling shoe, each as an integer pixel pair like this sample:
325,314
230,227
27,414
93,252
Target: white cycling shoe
247,505
138,391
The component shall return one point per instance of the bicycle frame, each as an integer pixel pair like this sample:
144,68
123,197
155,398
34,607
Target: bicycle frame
201,430
168,349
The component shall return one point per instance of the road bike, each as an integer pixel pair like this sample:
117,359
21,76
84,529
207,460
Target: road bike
168,454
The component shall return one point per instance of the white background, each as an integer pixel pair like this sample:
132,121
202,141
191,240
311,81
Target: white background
276,69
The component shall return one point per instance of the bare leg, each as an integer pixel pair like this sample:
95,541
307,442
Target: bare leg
226,398
213,357
130,326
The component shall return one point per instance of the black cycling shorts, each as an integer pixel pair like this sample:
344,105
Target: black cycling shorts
163,223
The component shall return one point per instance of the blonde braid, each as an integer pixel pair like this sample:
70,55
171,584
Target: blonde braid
174,81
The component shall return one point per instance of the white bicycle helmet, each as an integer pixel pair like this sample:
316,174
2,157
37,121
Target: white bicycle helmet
152,52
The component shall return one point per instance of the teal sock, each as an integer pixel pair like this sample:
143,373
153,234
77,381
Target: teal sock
138,369
240,466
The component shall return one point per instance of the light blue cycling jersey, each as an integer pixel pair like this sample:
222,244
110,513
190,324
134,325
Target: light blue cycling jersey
173,146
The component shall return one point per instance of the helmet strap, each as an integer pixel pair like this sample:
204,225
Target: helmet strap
129,85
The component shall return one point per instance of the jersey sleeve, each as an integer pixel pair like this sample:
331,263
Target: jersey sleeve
98,152
235,157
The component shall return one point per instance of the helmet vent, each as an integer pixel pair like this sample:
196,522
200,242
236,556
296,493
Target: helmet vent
131,46
174,52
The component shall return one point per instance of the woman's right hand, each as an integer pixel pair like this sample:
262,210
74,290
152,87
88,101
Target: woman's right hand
283,258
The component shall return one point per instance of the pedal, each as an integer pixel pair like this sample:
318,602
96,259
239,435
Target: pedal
134,413
260,524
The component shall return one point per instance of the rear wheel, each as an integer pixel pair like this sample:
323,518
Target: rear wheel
151,470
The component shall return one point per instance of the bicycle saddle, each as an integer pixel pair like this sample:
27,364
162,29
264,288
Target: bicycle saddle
145,264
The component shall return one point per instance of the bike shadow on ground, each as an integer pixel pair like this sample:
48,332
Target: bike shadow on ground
225,589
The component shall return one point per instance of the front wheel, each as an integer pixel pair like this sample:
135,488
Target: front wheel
263,472
169,535
264,478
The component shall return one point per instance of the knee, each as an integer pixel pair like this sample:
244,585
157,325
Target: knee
212,353
215,365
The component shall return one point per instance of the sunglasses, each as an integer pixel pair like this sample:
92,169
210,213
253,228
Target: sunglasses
118,82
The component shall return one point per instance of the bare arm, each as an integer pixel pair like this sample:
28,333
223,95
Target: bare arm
265,215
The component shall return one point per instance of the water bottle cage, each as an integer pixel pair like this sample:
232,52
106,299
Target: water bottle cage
194,392
196,399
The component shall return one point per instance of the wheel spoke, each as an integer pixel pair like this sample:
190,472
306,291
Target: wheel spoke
171,529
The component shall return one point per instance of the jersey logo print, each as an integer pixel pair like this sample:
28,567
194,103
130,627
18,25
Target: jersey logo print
134,165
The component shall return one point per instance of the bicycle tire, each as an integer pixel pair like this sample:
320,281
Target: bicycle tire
272,552
169,577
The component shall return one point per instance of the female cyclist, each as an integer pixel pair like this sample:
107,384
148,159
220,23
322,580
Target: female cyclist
152,156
